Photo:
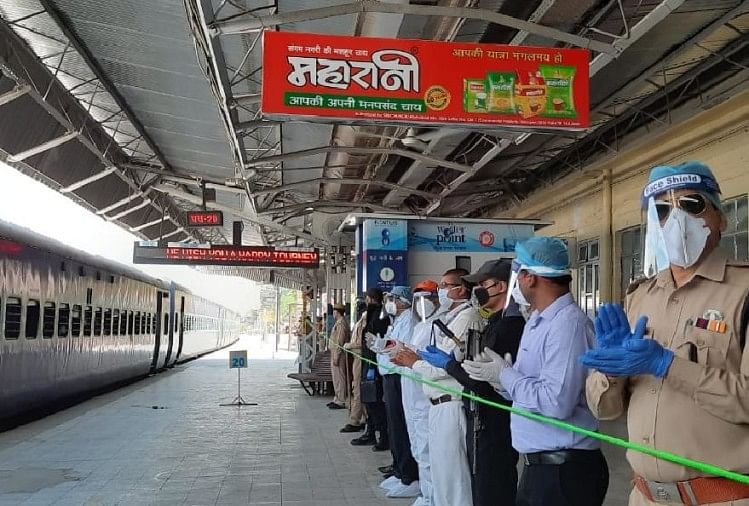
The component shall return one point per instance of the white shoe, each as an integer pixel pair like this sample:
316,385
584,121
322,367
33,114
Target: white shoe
389,483
402,490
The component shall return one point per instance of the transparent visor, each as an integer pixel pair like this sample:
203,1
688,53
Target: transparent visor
655,257
422,307
516,268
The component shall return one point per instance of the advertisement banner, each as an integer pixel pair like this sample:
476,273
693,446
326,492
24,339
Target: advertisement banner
444,236
371,80
385,269
385,235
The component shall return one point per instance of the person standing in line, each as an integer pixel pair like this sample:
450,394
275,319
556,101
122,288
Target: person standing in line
448,459
491,455
684,386
562,468
357,416
339,336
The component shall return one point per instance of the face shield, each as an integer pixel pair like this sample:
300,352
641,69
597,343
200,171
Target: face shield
422,307
539,270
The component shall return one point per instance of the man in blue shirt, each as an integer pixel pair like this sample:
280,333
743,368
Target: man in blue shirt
561,467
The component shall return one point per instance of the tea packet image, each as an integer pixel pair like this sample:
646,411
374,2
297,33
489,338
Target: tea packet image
500,88
474,95
559,85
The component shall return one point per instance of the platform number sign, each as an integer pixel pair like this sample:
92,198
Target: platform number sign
238,359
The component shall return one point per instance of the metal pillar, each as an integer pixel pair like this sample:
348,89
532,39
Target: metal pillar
278,316
606,242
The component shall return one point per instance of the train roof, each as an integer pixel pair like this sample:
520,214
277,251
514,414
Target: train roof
28,237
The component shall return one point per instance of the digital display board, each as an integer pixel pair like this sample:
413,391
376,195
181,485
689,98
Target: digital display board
205,218
248,256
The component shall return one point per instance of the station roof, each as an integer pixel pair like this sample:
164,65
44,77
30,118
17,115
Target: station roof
130,106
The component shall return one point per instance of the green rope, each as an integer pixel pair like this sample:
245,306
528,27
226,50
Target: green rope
660,454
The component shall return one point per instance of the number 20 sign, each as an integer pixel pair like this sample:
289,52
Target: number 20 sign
238,359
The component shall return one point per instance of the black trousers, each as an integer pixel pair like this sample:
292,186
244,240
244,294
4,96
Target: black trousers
404,465
376,418
568,484
495,480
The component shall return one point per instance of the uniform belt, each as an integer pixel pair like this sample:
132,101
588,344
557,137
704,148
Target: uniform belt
559,457
693,492
441,399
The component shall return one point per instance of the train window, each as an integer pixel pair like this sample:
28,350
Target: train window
115,322
63,320
48,320
130,322
148,323
97,321
88,316
89,295
107,322
166,324
143,323
12,318
32,319
76,321
123,323
137,323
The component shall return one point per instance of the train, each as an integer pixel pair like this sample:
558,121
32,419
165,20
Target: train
73,324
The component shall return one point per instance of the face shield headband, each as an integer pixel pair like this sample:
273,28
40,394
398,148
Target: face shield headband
539,270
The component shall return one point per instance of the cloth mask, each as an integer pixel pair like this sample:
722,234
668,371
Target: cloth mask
391,308
517,294
685,237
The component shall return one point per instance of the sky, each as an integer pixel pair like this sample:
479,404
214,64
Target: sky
33,205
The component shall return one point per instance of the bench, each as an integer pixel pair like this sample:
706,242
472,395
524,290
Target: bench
320,379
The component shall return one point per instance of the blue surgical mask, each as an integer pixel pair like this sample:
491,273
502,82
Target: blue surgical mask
444,299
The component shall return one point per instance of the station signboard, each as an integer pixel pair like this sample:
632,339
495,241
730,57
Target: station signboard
401,81
246,256
205,218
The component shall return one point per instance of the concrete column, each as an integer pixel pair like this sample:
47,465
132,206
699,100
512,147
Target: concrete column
606,256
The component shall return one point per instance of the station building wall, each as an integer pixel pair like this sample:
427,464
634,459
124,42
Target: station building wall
718,137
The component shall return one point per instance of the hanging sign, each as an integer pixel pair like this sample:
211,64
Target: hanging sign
372,80
248,256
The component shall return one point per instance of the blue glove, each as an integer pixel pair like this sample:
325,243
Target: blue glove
370,374
436,357
626,355
612,327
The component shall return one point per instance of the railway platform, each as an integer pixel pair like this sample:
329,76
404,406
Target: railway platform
166,441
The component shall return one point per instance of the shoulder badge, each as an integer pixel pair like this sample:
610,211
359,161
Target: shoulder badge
636,283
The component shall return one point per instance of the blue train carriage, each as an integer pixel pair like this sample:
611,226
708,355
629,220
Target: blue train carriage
73,324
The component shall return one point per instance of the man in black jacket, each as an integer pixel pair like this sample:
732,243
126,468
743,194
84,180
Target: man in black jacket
492,459
371,391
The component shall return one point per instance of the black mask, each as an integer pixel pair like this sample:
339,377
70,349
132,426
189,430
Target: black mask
482,295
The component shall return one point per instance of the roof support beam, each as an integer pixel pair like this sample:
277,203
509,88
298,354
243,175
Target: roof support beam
83,182
146,225
13,94
342,181
256,23
41,148
120,203
128,211
329,203
360,151
174,232
195,199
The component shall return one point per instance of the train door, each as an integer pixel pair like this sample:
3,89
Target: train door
181,328
157,330
172,323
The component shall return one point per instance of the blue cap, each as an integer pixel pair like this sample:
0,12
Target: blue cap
547,257
402,292
691,175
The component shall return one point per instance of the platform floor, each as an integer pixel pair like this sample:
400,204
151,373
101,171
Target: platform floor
165,440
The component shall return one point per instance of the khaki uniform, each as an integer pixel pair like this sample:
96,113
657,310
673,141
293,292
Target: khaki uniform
356,410
700,409
339,335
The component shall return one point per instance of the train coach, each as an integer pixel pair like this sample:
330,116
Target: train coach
72,324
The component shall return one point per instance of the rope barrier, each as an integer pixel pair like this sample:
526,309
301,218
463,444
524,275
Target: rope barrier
613,440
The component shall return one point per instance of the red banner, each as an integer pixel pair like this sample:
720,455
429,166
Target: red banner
368,80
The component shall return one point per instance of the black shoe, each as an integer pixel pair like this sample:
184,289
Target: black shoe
352,428
386,469
330,403
365,440
333,405
381,446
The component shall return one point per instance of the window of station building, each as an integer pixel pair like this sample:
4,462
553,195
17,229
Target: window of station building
32,319
75,324
115,321
63,320
587,277
107,322
735,239
630,261
13,311
88,317
48,320
98,317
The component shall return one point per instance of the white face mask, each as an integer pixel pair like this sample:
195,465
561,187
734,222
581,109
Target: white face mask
391,308
444,299
519,297
685,236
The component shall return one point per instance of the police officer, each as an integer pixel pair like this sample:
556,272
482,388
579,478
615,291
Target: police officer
490,453
684,385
